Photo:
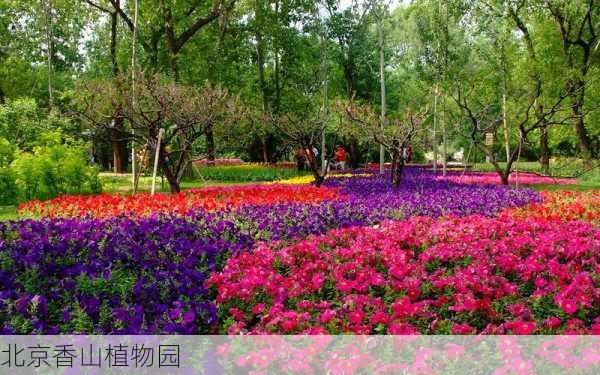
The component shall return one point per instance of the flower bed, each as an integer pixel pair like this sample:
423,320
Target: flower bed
466,275
144,204
112,276
132,274
563,205
522,178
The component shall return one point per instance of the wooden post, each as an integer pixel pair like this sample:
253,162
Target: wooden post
156,153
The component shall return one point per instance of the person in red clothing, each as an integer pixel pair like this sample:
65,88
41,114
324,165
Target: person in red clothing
340,157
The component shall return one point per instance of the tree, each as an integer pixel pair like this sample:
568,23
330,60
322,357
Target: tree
183,113
380,10
117,145
305,130
174,24
349,28
397,136
577,22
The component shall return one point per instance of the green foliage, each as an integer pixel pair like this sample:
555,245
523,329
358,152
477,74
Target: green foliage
8,187
20,122
56,166
246,173
7,153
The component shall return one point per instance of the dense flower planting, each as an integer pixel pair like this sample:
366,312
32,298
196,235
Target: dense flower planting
145,272
112,276
144,204
369,200
563,205
523,178
456,275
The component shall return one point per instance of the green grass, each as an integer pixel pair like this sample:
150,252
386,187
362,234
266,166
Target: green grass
112,183
586,178
582,186
8,213
246,173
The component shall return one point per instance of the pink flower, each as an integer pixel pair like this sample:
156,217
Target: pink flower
569,306
462,329
520,327
402,329
356,317
223,349
380,317
317,280
553,322
452,350
521,366
326,316
258,308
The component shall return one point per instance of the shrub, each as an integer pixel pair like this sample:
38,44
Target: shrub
7,153
57,166
8,187
20,122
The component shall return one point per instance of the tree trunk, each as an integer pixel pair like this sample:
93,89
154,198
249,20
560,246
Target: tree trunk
260,64
277,80
382,90
172,48
354,156
265,148
434,133
49,50
116,144
504,177
171,177
210,144
117,150
314,167
397,167
585,144
544,150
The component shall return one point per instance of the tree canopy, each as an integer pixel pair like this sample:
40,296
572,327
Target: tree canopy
525,71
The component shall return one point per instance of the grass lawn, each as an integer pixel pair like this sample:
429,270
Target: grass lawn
121,183
8,213
581,186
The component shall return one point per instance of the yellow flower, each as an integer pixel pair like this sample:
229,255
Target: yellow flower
308,179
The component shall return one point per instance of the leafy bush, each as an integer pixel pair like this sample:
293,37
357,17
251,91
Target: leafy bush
8,187
7,153
56,166
20,122
246,173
